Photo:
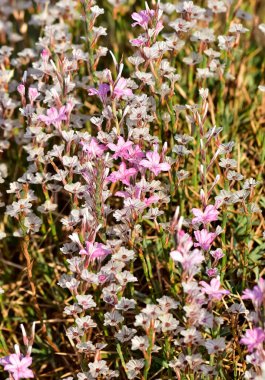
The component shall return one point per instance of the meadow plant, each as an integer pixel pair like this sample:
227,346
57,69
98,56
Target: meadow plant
132,236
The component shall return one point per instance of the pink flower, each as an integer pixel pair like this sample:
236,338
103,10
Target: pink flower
212,272
18,366
93,148
188,259
45,55
257,295
95,250
184,241
142,18
153,199
204,239
123,174
102,91
214,290
253,338
209,215
21,89
153,163
217,254
140,41
121,89
121,148
33,94
134,155
54,116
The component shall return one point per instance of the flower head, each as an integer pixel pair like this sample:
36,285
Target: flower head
121,89
54,116
210,214
18,365
143,18
121,148
257,294
204,239
123,174
153,163
253,338
95,250
214,290
102,91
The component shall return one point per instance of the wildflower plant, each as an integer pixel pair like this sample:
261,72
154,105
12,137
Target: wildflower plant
132,139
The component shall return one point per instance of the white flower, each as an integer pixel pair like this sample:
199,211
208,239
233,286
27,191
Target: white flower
140,343
125,304
215,345
168,322
86,301
125,334
113,318
98,368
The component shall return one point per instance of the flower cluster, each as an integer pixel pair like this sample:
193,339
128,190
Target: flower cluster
127,192
254,336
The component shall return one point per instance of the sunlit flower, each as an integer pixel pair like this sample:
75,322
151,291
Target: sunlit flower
210,214
214,290
253,338
204,239
18,366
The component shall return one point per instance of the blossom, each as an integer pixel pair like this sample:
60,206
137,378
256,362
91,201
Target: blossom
102,91
153,163
45,55
215,345
134,154
204,239
210,214
95,250
21,89
217,254
121,148
257,294
93,148
123,174
33,94
142,18
188,260
253,338
86,301
212,272
54,116
18,365
214,290
98,368
121,89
